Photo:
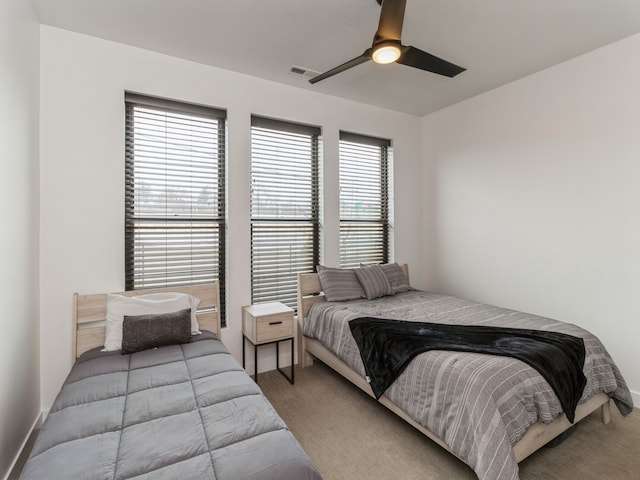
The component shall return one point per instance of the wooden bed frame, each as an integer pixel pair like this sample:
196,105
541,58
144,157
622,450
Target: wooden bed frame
90,311
539,434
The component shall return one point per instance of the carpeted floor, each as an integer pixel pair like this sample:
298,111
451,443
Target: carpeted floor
348,435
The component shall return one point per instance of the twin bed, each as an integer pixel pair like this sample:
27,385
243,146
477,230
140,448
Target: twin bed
184,410
489,411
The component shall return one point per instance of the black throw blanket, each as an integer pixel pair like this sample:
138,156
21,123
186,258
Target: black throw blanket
387,347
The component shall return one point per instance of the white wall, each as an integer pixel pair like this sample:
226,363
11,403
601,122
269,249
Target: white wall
534,197
82,171
19,355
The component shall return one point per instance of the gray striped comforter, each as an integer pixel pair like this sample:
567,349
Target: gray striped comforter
480,405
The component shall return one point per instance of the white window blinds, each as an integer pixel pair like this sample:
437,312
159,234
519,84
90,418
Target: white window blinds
364,199
284,207
175,194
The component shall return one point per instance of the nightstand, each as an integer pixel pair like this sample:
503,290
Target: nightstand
264,324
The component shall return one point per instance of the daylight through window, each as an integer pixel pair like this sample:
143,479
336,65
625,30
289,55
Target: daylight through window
364,199
284,208
175,194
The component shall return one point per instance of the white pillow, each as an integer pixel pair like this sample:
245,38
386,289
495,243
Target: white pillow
118,306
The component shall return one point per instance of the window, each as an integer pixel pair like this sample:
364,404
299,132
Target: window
284,208
364,199
174,194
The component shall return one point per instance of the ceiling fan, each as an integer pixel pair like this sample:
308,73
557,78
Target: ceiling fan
387,48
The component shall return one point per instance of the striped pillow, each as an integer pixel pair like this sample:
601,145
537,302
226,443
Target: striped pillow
339,284
396,277
373,281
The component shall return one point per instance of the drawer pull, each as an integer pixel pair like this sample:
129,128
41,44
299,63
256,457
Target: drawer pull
275,323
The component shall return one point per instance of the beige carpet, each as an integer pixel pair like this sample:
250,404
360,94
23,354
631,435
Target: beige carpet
348,435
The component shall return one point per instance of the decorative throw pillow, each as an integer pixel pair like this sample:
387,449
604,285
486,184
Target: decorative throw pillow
142,332
373,281
397,278
118,306
339,284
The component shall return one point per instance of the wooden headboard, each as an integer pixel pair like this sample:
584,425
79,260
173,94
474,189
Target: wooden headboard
90,312
310,291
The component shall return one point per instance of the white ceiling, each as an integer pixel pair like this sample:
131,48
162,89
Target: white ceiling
498,41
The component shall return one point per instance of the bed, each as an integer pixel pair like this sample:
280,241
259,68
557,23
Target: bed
491,412
177,411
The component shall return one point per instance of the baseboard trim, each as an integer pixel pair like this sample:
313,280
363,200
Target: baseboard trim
32,431
636,398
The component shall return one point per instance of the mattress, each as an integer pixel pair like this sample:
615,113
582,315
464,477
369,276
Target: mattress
175,412
480,405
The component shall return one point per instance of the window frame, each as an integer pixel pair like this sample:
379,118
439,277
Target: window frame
133,101
315,138
384,197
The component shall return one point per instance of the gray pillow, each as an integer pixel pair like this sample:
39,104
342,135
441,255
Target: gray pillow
339,284
373,281
397,278
141,332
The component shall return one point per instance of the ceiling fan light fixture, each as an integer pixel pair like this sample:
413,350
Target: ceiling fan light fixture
387,47
386,53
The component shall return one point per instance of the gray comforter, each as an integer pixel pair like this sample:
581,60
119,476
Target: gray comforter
480,405
178,412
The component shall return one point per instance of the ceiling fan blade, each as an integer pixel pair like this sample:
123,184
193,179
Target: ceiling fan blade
391,19
414,57
366,56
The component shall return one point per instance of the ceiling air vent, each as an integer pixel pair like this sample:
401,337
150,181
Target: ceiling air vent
305,72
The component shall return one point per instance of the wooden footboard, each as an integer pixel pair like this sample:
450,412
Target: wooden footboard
538,435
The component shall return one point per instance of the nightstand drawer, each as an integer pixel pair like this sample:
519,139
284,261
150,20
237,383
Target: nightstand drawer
274,327
266,322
